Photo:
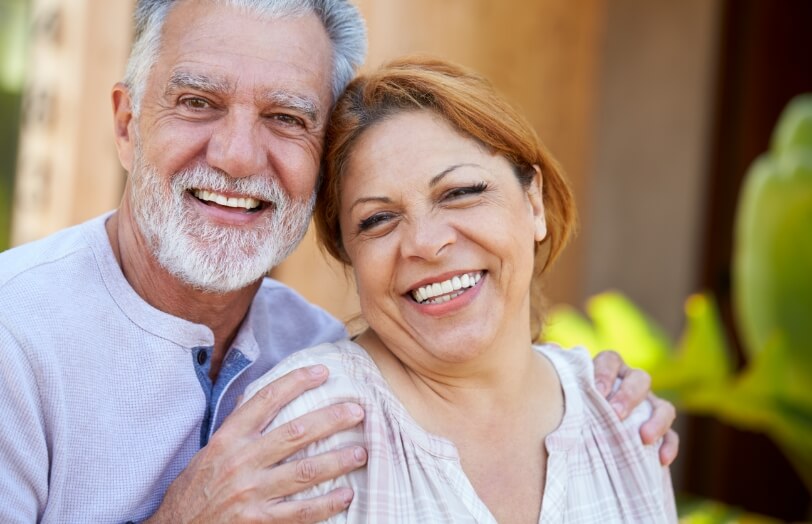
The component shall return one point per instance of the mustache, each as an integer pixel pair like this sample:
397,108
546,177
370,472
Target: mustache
264,188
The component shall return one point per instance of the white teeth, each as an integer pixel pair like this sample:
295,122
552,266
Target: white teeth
456,283
440,292
209,196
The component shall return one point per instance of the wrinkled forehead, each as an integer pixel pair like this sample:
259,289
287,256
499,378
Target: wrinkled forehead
216,45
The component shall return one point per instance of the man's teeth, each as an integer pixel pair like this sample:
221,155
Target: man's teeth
209,196
440,292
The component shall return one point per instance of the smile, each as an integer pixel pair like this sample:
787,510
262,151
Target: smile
440,292
245,203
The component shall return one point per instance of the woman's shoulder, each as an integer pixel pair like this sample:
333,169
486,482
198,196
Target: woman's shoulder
349,368
606,455
577,374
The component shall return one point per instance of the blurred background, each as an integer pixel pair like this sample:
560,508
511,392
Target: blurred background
656,109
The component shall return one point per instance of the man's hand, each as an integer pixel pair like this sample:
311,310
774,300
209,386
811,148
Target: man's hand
237,476
634,388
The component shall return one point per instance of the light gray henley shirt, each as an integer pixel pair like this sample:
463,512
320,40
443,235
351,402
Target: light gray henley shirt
103,398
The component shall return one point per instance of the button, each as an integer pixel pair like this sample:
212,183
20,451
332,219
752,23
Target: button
201,357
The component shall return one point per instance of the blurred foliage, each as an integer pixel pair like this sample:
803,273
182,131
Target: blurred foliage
13,28
772,293
13,34
773,244
700,511
10,111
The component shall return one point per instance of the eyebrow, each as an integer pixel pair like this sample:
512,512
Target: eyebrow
433,182
365,200
439,177
220,86
302,104
198,82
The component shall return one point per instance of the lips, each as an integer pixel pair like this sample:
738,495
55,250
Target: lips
443,291
244,203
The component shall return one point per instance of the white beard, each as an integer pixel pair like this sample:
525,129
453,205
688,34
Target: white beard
207,256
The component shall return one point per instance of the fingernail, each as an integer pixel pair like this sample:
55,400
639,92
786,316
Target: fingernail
318,371
356,410
619,409
346,496
360,454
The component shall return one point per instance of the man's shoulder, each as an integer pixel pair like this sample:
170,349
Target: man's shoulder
288,311
42,262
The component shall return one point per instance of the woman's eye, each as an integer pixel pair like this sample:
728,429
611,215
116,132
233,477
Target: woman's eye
374,220
465,191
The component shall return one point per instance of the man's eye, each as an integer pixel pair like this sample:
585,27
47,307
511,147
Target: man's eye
195,103
374,220
288,120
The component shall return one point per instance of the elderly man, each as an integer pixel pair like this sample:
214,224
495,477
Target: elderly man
127,340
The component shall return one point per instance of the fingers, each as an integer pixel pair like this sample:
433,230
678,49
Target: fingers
259,410
633,389
608,365
287,439
312,510
662,418
669,448
298,475
659,425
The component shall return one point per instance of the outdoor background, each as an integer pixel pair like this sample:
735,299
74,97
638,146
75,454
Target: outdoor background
656,109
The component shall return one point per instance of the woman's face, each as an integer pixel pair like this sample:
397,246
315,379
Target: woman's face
441,236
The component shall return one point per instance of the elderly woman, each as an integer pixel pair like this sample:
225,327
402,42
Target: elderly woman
448,209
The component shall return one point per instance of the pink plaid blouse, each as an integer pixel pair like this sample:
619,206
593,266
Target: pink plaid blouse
598,470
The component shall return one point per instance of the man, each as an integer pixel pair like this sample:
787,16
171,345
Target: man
127,340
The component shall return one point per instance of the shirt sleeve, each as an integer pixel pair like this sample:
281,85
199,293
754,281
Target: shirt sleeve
640,415
23,441
338,388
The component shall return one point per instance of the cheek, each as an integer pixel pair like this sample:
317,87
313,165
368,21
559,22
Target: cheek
373,271
296,164
173,148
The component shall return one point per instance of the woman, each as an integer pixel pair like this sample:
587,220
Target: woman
448,209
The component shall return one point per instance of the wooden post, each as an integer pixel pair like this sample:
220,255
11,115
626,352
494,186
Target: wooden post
67,169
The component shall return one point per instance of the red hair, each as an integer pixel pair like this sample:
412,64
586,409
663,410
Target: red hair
470,104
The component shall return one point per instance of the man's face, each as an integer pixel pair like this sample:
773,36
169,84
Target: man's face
227,148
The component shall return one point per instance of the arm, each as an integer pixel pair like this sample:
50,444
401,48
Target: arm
634,389
23,448
239,475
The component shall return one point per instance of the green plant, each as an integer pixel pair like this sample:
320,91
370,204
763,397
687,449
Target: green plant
772,279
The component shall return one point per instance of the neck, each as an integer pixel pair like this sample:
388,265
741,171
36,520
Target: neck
221,312
505,383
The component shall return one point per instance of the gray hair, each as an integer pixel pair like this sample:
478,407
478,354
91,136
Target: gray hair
341,20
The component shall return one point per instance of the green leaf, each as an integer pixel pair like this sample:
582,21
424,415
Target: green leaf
616,323
701,368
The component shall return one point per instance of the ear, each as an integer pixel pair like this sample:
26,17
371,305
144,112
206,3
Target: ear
535,195
122,125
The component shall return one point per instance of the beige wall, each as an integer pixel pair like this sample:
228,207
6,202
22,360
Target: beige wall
649,179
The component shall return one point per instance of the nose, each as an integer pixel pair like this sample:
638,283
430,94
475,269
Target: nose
427,237
236,146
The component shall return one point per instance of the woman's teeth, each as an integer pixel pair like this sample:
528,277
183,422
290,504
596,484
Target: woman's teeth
440,292
244,203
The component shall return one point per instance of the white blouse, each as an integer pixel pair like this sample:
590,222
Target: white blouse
598,469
